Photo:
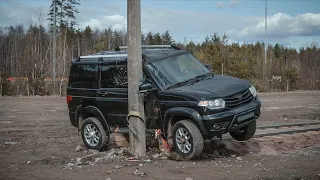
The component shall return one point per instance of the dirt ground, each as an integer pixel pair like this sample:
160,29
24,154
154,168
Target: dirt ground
37,141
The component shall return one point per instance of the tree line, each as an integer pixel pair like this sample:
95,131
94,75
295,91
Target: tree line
26,55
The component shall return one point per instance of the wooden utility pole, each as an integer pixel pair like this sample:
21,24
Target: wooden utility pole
54,48
265,69
137,135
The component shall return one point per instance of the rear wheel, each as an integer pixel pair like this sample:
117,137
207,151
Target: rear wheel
245,133
93,134
187,139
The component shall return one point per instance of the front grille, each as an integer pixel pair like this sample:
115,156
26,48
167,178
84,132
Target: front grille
238,99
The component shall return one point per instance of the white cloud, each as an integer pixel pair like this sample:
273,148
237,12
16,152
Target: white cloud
227,4
192,25
116,21
280,26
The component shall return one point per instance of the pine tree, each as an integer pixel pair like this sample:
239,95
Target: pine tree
65,12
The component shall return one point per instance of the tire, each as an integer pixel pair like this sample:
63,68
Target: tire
245,133
94,124
195,139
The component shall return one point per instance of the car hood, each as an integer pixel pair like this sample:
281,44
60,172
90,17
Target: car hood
217,86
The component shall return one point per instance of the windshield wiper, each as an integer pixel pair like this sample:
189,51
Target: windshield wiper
203,76
181,83
191,81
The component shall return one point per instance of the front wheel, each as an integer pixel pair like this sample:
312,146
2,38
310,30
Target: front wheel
93,134
245,133
188,140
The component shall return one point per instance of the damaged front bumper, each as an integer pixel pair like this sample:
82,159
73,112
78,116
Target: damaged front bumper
231,120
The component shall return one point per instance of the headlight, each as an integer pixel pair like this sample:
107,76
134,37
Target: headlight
253,91
214,104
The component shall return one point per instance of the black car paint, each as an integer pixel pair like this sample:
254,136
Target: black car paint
111,104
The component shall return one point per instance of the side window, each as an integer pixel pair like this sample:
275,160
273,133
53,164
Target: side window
114,76
84,76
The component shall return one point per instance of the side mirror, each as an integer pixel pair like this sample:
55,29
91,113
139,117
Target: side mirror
209,67
146,87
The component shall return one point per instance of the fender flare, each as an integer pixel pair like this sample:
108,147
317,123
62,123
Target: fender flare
183,111
96,112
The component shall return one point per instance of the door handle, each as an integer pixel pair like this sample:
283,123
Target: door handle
102,93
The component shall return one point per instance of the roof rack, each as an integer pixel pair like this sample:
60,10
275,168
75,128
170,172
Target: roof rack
121,48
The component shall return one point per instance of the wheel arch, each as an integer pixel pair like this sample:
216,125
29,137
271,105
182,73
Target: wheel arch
176,114
82,113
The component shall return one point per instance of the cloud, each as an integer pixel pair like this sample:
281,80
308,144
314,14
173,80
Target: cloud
194,25
227,4
116,21
280,26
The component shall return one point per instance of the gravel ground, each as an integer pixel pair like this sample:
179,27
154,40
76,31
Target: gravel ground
38,142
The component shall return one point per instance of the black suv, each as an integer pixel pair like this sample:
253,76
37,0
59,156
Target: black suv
183,98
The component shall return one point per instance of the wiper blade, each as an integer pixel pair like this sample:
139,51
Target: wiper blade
192,80
203,76
179,84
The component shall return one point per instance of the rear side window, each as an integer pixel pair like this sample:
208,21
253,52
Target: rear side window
114,76
84,76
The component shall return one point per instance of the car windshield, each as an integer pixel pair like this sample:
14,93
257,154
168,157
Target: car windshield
177,70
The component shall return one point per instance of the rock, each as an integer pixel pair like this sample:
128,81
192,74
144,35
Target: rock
239,158
108,179
93,151
120,152
136,171
111,153
92,157
140,165
79,148
10,143
98,159
148,160
155,156
189,178
78,162
70,165
233,156
28,162
164,157
118,167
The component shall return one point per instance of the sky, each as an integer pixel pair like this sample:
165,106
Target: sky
292,23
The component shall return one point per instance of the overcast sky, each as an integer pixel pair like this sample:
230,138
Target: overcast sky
293,23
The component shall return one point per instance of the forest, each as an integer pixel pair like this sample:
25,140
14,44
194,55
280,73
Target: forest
26,55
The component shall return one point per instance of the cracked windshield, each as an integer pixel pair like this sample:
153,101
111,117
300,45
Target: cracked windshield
177,69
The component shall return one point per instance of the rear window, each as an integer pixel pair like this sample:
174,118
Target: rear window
114,76
84,76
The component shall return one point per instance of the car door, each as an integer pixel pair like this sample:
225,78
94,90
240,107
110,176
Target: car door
113,93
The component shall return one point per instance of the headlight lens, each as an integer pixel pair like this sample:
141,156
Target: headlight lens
214,104
253,91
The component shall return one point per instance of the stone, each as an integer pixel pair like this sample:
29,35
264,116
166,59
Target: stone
118,167
189,178
155,156
148,160
28,162
140,165
111,153
70,165
108,179
239,158
79,148
233,156
93,151
78,162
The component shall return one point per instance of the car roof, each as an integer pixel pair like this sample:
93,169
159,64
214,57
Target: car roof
149,53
